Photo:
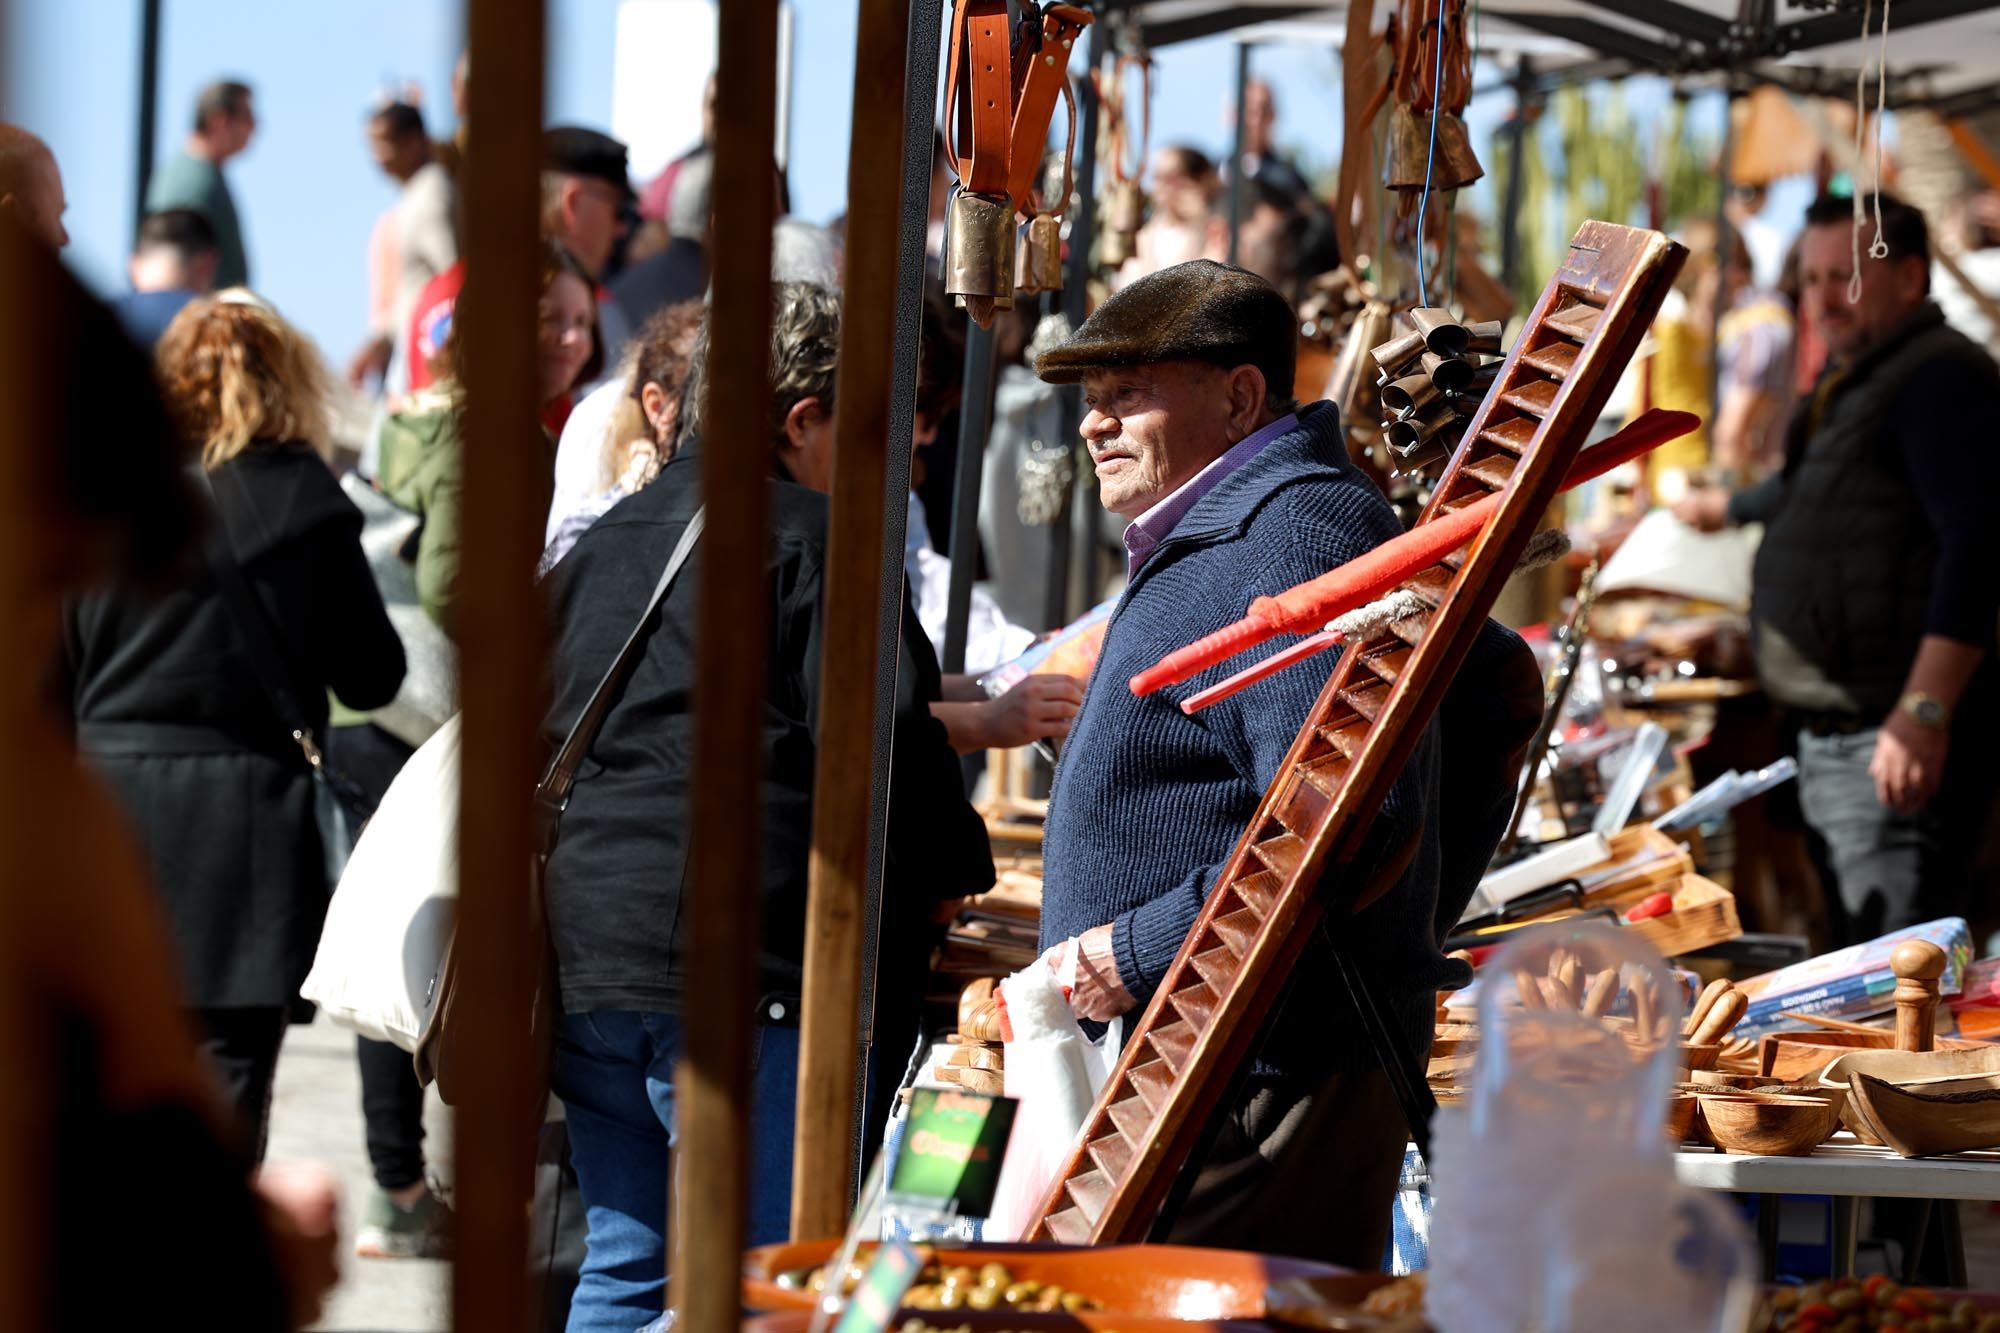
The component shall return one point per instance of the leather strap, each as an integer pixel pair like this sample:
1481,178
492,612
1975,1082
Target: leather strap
979,39
1047,77
552,793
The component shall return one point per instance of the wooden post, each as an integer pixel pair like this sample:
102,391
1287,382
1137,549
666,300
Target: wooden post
712,1082
1917,964
840,884
1236,200
501,635
1357,62
1973,149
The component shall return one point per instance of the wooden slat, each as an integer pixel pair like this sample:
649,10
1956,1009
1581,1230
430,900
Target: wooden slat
1577,320
712,1081
1514,435
1554,359
1281,853
841,880
1535,397
1494,469
500,628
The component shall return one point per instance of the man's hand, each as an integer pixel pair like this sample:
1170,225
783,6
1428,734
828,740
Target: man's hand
371,360
1037,708
1099,993
1908,764
1704,508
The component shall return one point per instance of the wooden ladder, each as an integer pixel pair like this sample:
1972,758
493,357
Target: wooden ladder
1182,1057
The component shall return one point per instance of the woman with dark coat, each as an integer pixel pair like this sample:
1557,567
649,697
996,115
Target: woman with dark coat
169,705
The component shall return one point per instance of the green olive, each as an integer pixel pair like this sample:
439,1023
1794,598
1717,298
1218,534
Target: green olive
951,1296
994,1275
923,1297
982,1298
1074,1301
1020,1292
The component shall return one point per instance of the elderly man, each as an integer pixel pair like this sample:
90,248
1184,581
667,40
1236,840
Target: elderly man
31,187
1234,490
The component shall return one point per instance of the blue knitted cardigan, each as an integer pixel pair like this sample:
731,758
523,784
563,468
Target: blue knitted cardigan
1148,802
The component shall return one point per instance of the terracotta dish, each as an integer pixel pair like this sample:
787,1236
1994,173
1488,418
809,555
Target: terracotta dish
1168,1281
1764,1125
1925,1119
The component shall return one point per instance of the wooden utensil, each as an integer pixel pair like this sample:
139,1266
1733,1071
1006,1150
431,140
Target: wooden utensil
1917,964
1923,1120
1723,1016
1704,1002
1603,990
1764,1125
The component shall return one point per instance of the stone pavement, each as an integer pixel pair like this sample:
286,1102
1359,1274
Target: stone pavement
316,1115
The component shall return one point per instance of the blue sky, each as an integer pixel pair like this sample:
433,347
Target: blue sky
307,190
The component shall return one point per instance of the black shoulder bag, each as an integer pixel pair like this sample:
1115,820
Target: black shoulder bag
444,1030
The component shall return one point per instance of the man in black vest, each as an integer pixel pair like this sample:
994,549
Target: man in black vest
1874,600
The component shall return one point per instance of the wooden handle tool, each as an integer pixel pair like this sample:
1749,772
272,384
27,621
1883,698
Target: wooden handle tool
1726,1014
1530,987
1710,993
1917,964
1603,990
1643,1005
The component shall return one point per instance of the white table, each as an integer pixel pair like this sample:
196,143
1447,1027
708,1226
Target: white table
1847,1169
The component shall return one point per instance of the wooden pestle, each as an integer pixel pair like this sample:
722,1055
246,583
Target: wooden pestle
1917,964
1726,1013
1603,990
1712,992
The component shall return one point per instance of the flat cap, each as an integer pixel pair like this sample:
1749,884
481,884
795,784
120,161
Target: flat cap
575,151
1197,311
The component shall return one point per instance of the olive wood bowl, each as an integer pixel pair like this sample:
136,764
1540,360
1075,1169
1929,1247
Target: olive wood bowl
1766,1125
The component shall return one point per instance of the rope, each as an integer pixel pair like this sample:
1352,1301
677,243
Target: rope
1860,143
1880,249
1430,160
1365,622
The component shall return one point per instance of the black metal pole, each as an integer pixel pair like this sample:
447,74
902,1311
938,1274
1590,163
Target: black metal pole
149,105
919,109
1510,209
975,423
1237,155
1075,307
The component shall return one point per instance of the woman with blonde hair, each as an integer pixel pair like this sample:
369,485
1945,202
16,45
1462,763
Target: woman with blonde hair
175,698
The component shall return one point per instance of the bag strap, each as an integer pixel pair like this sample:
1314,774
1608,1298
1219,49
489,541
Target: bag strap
553,791
267,663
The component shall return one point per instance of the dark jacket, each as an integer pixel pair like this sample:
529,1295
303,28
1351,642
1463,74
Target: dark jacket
619,869
168,707
1149,802
1877,531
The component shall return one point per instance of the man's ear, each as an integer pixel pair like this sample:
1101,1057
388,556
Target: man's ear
1245,396
572,191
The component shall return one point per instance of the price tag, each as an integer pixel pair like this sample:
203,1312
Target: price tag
953,1144
875,1301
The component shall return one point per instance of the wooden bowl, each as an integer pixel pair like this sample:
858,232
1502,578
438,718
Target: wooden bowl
1168,1281
1763,1125
1011,1321
1717,1080
1905,1069
1926,1119
1701,1057
1680,1116
1798,1057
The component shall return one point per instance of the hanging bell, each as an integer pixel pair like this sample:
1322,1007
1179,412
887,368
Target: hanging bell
1124,211
1038,260
1457,165
1397,353
979,255
1408,151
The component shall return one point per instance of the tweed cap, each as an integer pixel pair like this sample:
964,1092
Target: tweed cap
1197,311
575,151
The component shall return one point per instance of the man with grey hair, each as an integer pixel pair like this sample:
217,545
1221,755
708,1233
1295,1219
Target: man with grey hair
224,121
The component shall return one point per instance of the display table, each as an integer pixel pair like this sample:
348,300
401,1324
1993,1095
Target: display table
1847,1169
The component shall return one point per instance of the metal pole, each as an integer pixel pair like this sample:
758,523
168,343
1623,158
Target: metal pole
1722,248
712,1080
1075,308
1242,133
149,107
919,110
975,423
501,630
1510,210
839,886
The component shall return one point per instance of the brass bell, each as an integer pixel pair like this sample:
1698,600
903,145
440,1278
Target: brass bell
1409,157
1393,355
1457,165
1038,260
979,255
1409,395
1407,438
1124,211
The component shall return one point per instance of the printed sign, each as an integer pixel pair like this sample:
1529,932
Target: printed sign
953,1145
874,1302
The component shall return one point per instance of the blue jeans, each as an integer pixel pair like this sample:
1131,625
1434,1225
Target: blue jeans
615,1074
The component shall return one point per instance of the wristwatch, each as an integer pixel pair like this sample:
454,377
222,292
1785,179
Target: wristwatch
1927,709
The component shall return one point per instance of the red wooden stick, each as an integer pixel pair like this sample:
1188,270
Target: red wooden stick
1311,604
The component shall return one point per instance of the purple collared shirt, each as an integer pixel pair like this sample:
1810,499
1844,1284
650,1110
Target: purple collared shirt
1147,531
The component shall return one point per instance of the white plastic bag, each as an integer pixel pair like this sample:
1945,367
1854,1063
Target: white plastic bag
1055,1072
392,914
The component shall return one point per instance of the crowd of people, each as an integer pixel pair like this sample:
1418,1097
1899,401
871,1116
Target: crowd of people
276,631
